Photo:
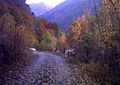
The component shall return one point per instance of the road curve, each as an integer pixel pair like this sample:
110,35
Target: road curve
48,69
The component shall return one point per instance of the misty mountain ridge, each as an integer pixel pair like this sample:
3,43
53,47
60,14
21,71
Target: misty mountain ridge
39,8
66,12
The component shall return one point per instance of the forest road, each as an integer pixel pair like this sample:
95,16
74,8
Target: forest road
48,69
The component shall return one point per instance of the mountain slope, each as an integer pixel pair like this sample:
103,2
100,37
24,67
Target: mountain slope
17,3
39,8
67,11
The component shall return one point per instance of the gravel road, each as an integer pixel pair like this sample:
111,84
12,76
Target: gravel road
48,69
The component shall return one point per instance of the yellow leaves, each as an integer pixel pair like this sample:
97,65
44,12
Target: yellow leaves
54,42
27,34
106,38
108,34
62,39
76,32
62,42
108,5
79,25
108,22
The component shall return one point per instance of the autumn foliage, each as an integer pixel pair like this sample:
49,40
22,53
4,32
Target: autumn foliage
96,40
16,34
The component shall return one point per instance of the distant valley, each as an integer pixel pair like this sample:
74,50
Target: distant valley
63,14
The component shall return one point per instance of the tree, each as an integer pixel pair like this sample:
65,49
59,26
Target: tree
61,41
80,37
77,27
46,41
14,36
106,25
14,44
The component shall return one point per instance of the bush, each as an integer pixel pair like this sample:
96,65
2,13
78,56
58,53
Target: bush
14,44
97,70
48,42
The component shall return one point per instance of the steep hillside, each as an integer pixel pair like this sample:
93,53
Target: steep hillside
67,11
15,27
17,9
17,3
39,8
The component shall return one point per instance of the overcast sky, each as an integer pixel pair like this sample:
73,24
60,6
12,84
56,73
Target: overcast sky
48,2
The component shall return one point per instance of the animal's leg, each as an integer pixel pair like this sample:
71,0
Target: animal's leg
66,55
